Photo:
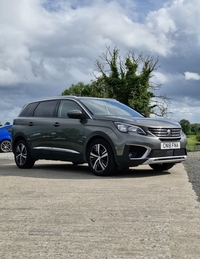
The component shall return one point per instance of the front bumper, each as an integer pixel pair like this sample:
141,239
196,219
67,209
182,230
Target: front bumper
150,156
135,155
167,156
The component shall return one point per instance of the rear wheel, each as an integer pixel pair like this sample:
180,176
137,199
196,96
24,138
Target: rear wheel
100,158
161,167
22,155
5,146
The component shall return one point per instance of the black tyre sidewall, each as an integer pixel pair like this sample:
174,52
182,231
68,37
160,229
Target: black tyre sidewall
29,162
111,167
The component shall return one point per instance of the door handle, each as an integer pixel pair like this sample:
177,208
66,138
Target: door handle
56,124
31,123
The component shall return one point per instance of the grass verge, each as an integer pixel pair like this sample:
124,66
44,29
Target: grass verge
191,139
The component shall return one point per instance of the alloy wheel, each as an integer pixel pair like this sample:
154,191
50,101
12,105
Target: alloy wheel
5,146
21,154
99,158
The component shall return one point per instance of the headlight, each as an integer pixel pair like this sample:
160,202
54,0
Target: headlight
129,128
182,133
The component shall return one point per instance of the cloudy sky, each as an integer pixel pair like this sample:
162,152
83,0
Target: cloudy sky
47,45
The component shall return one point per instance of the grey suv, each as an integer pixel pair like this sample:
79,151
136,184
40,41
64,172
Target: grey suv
104,133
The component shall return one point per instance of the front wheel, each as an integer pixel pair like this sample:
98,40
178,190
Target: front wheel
100,158
22,155
161,167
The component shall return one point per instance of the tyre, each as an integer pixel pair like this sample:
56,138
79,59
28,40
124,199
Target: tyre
22,155
5,146
161,167
100,158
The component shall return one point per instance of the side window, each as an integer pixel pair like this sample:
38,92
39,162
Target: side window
28,110
45,109
65,106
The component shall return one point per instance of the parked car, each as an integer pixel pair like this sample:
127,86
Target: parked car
5,138
104,133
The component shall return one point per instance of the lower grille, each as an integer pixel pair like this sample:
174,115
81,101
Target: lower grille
165,153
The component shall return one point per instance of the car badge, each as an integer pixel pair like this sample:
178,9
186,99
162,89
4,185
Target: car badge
168,132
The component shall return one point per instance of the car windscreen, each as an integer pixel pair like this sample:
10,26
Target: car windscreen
108,108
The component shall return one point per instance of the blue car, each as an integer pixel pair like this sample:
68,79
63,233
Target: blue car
5,138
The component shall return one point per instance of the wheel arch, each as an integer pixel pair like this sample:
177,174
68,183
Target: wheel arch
98,135
16,139
5,139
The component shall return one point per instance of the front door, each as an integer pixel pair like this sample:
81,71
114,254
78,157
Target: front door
68,133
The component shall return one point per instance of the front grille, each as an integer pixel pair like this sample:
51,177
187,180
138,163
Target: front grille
165,132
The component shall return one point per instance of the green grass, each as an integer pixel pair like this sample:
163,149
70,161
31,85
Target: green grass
191,139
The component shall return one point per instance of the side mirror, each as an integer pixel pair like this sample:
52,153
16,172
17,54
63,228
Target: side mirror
76,114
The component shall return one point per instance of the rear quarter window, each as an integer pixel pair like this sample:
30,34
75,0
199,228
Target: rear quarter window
28,110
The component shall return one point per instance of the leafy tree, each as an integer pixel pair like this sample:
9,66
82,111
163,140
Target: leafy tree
195,128
127,80
78,89
82,89
186,126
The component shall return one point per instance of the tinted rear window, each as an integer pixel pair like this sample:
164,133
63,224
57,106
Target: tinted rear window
45,109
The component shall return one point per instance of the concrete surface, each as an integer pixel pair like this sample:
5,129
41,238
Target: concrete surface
57,210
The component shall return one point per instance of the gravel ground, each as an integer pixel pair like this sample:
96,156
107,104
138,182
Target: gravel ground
192,166
58,210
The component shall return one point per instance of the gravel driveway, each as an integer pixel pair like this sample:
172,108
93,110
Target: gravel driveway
192,167
61,211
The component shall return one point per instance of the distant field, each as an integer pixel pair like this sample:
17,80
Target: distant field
191,142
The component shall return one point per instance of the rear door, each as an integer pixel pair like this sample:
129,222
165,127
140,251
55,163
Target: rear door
41,129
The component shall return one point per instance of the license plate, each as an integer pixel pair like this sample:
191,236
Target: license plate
170,145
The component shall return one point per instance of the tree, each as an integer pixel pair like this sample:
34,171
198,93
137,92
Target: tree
127,81
186,126
195,128
82,89
78,89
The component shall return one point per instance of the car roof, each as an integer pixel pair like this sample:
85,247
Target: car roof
73,97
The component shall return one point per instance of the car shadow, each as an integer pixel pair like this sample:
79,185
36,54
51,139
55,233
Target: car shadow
56,170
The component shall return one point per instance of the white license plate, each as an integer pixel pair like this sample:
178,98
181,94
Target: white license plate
170,145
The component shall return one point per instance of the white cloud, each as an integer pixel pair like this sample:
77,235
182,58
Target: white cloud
48,45
190,75
159,78
184,110
45,50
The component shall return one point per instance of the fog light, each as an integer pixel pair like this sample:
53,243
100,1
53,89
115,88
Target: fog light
132,155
